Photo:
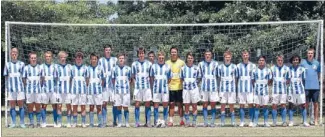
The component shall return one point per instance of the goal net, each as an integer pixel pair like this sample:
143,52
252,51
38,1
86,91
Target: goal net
259,38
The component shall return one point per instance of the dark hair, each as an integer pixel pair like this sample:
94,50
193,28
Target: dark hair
141,49
262,56
293,57
151,52
32,53
207,50
93,55
79,54
107,46
170,50
189,54
120,54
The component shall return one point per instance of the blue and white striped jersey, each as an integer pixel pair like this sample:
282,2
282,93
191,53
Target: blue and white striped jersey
14,72
79,75
280,76
244,75
122,76
96,76
227,74
108,65
297,75
161,74
49,74
140,71
64,78
33,74
208,71
261,78
189,75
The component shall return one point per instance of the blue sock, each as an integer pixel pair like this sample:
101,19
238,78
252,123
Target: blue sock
187,118
165,113
148,115
75,119
266,114
104,113
126,116
119,116
256,115
22,115
55,115
83,119
137,114
304,114
213,115
274,115
91,118
100,119
69,118
251,114
59,118
194,118
284,114
290,114
38,117
205,115
43,113
155,115
242,114
223,115
232,114
114,114
31,117
13,115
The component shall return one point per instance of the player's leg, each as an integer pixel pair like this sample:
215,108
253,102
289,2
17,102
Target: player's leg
291,106
275,99
69,109
283,102
12,101
54,108
186,102
75,114
223,101
164,97
231,100
205,100
126,116
265,102
43,114
30,106
38,114
242,97
104,106
194,109
195,98
83,116
213,101
308,100
137,98
21,111
257,101
251,108
59,115
315,99
156,112
114,107
179,102
91,115
125,104
172,99
99,103
147,98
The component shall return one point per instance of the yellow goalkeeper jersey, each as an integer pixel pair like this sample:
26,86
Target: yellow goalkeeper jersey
176,83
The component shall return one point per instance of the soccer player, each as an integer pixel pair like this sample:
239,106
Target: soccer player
95,82
191,94
108,63
142,91
63,88
160,75
261,78
175,86
32,79
296,95
79,89
121,80
312,82
227,87
13,72
151,56
49,79
245,87
208,70
280,79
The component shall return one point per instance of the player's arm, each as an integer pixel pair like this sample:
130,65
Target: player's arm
24,76
42,76
270,77
102,77
151,77
288,77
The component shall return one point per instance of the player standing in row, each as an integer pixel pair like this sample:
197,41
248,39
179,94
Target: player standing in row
13,73
63,88
296,95
151,56
209,89
32,79
261,78
121,79
79,89
280,79
245,88
49,78
191,94
95,82
160,75
142,91
175,86
108,63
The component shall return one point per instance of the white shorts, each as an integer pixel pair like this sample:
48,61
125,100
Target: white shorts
142,95
95,99
191,96
227,97
261,100
33,98
63,98
108,95
48,98
78,99
209,96
160,97
246,98
16,96
297,99
122,100
279,99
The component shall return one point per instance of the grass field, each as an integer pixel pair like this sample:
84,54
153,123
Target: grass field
173,131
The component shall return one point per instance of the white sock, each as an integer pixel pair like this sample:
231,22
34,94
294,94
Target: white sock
171,119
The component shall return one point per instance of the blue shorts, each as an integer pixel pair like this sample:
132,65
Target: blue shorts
312,95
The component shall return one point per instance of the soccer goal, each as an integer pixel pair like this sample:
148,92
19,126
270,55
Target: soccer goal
259,38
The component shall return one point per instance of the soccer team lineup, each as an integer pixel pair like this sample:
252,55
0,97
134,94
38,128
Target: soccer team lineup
167,83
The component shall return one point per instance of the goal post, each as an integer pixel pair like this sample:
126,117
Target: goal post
267,38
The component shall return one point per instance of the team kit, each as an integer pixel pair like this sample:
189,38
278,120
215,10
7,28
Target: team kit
108,81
